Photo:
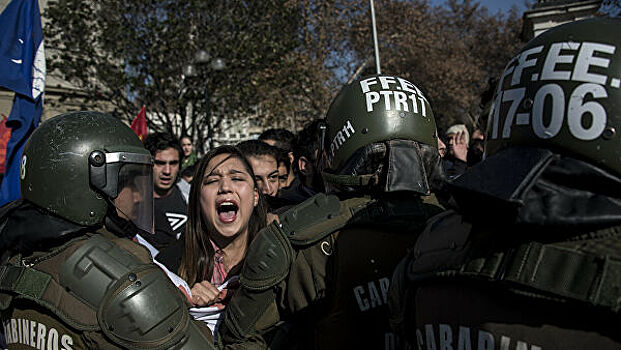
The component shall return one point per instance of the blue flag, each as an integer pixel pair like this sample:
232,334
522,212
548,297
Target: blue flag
22,70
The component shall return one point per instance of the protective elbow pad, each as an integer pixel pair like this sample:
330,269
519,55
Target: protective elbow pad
144,310
137,305
268,261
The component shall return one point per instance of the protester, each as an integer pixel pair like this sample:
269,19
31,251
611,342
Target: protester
324,268
226,212
307,180
441,148
476,147
169,206
70,279
187,174
532,257
285,175
264,161
185,181
282,139
456,139
204,225
189,156
183,184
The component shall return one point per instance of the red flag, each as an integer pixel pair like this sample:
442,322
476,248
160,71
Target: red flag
139,124
5,134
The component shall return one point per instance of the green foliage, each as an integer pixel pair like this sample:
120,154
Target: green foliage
133,53
285,59
450,52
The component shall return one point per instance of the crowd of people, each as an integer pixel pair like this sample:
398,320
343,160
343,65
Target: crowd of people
365,229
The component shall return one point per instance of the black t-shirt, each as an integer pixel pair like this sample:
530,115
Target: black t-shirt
171,255
170,214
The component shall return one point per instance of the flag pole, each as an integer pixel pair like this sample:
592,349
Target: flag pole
377,59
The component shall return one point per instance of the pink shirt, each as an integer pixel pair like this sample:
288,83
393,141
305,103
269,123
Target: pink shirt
219,273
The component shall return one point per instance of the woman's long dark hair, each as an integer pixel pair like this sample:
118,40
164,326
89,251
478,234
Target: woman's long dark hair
197,261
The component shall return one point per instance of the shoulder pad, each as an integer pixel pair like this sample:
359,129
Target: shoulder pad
441,245
268,259
94,267
317,217
138,307
144,310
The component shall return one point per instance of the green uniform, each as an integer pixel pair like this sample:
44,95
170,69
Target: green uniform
88,290
538,269
320,278
65,281
533,259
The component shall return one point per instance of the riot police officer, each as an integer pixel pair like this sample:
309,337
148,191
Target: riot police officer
532,259
321,274
69,277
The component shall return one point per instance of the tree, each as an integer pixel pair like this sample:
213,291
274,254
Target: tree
301,84
133,53
611,7
450,52
286,59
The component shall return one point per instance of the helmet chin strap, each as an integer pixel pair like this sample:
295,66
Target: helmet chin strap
403,170
351,180
120,226
406,169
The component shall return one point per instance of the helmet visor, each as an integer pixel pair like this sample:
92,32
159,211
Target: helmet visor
134,201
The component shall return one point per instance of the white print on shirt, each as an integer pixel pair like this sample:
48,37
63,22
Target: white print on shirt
176,220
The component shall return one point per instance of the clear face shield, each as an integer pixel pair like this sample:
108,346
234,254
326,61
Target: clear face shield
127,179
134,201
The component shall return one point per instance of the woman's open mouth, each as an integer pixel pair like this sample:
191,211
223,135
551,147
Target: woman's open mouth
227,211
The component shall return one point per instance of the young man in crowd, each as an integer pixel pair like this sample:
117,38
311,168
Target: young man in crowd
283,140
264,161
185,181
169,205
307,180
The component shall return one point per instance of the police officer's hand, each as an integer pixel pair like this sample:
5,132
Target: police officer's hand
204,294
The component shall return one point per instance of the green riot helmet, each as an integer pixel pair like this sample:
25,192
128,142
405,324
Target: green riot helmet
562,92
379,116
83,166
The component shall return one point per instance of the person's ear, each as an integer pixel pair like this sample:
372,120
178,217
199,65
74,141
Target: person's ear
256,197
303,165
291,157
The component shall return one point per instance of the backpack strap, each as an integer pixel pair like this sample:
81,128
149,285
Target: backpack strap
552,269
23,282
446,250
